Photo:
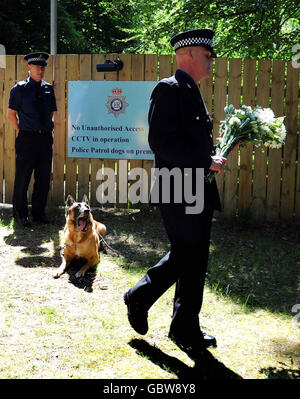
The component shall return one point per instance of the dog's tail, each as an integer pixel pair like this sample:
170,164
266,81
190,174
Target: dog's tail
102,241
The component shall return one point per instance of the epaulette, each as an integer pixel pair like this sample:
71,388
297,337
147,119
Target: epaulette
44,83
22,82
164,85
171,81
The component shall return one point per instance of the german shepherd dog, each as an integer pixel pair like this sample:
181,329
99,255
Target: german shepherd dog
82,235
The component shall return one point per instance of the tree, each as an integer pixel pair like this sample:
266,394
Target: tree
253,28
101,24
83,26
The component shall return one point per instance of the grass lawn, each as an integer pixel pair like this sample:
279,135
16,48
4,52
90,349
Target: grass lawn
78,328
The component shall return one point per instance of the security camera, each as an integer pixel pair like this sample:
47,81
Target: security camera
110,66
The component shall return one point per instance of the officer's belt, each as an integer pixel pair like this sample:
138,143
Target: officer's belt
36,131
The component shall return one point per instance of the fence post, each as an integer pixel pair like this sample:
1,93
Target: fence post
60,67
231,170
245,180
260,154
274,166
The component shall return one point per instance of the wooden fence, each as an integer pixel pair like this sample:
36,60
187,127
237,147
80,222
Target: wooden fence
262,184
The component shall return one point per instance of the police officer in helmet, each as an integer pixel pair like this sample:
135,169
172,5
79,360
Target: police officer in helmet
30,111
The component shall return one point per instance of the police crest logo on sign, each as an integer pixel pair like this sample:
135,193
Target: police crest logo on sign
116,103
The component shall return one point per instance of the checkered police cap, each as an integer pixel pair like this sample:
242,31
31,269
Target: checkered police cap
37,58
194,37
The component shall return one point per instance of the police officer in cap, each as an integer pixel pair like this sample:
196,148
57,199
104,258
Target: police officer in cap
180,135
30,111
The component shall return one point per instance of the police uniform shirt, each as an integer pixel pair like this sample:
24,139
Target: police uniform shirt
34,102
180,132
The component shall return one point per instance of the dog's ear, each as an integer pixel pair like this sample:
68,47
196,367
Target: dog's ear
70,201
85,199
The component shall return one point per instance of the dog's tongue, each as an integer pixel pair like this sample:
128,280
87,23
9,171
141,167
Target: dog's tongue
81,225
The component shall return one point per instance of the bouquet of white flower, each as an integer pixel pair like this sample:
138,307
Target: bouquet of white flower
247,125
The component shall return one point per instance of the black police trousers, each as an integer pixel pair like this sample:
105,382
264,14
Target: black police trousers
33,153
185,264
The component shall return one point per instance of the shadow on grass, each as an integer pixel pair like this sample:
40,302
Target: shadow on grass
209,368
32,239
87,281
256,266
138,236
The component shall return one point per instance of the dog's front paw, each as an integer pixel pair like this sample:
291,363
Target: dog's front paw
80,273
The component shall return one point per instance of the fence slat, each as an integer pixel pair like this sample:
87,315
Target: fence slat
206,87
231,171
260,160
220,90
165,67
60,64
71,163
48,77
289,160
85,61
9,162
22,68
245,180
274,166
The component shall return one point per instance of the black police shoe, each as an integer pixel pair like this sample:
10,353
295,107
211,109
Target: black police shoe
209,340
137,315
194,348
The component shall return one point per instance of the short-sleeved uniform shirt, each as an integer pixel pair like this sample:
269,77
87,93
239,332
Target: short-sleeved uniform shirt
34,102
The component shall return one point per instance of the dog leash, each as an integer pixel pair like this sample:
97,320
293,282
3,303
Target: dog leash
108,246
101,239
